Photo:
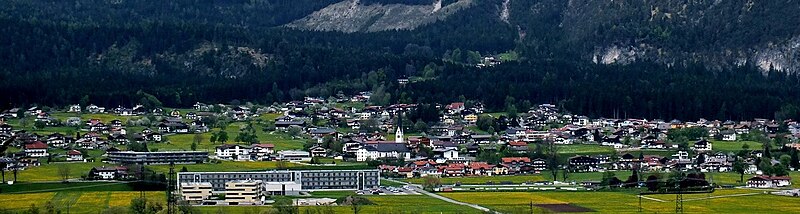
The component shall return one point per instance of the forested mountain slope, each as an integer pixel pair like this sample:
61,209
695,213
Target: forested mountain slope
719,34
667,59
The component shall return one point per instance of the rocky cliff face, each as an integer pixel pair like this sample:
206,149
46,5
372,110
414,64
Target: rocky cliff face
352,16
719,34
716,33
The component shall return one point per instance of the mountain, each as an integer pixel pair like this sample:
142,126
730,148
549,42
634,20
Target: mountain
357,16
640,58
719,34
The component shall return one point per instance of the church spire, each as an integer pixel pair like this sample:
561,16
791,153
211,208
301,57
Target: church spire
398,136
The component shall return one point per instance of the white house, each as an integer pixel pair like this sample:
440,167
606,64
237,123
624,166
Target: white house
764,181
74,108
107,173
261,151
728,135
233,152
702,145
74,155
36,149
451,154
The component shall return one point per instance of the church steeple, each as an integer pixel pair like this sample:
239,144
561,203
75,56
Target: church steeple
398,135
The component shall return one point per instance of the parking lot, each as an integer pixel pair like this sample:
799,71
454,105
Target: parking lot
388,191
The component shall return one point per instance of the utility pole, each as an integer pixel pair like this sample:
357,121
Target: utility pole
171,200
679,199
531,207
640,202
141,180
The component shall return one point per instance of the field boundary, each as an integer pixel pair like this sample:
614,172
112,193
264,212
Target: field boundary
68,188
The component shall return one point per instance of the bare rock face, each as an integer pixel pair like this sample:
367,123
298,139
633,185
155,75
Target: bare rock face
731,32
351,16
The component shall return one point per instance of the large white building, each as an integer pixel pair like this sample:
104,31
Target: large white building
233,152
373,151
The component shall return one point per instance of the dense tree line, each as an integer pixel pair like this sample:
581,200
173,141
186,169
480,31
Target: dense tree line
643,90
181,52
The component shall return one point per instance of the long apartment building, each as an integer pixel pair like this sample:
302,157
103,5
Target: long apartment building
291,180
155,158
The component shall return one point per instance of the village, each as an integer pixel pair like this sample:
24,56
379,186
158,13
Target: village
455,147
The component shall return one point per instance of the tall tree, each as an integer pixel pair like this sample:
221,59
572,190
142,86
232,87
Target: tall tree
551,151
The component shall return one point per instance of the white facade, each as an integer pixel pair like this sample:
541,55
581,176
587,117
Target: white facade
234,152
75,157
283,188
729,136
451,154
367,153
292,155
36,153
106,175
364,154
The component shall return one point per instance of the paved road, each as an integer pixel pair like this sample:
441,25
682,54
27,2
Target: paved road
420,190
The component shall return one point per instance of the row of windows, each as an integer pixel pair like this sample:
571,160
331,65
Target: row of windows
192,192
253,176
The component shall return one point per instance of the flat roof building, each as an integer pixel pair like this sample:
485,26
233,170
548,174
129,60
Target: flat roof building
155,158
305,180
244,192
195,192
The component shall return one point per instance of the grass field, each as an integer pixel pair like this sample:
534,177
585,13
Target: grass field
383,204
391,183
49,172
224,166
585,149
65,187
726,146
281,140
622,202
105,118
77,202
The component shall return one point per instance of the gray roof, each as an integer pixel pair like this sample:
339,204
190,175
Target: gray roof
322,130
289,123
388,147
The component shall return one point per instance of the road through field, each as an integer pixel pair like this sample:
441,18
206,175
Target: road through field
420,190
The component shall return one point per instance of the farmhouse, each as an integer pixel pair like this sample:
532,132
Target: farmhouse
517,164
108,173
36,149
584,164
764,181
74,155
702,145
261,151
